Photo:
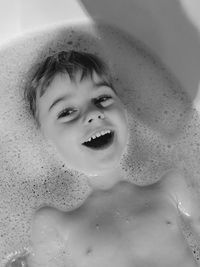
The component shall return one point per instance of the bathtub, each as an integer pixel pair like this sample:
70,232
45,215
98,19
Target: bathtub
171,29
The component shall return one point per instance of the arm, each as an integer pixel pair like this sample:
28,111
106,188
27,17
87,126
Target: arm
187,204
191,234
183,195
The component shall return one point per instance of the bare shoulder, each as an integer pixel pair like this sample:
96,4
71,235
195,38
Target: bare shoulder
49,221
179,188
47,239
47,216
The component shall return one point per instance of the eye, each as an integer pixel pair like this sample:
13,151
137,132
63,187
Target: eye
105,100
65,112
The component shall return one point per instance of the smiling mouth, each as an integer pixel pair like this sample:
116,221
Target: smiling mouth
101,142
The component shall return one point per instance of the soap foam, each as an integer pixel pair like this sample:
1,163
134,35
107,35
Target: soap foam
162,125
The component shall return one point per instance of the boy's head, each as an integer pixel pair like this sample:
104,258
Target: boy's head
75,105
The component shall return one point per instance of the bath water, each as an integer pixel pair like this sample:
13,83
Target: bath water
164,127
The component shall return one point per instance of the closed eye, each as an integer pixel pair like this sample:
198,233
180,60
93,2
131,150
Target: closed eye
105,100
65,112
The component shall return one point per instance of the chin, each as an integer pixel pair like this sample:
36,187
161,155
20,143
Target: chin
106,170
95,172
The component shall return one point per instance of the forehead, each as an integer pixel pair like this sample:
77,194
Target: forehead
62,81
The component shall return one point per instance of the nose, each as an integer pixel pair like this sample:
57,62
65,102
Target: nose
95,115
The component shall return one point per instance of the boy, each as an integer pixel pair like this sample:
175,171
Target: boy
120,224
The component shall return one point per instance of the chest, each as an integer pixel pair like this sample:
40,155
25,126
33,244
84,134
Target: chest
120,233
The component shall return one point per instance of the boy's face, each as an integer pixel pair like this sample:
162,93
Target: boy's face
70,112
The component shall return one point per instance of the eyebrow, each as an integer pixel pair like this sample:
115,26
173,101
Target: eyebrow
97,86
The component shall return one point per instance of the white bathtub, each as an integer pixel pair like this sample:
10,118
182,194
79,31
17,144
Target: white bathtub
171,29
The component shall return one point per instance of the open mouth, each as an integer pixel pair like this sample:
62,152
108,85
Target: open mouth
101,142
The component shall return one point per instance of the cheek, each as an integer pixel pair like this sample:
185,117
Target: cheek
66,145
46,130
61,137
120,118
122,126
65,138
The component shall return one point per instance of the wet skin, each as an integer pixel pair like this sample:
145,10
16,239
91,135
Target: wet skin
122,226
91,106
119,224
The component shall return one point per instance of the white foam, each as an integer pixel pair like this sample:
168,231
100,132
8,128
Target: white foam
33,174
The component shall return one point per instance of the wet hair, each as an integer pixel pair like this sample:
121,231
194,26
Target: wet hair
69,62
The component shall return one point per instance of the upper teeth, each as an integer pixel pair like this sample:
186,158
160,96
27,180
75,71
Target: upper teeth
98,134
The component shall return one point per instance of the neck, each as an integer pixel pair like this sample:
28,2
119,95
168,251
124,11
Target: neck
105,180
